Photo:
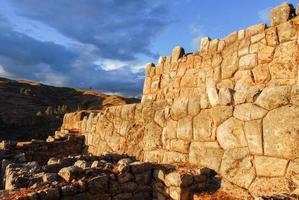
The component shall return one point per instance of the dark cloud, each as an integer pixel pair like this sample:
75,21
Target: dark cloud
119,29
103,30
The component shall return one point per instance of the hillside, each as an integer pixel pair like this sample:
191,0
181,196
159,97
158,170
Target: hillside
33,110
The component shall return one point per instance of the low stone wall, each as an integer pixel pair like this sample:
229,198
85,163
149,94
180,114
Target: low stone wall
111,177
232,107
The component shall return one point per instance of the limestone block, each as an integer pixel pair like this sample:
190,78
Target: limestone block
227,83
184,128
295,94
255,29
280,132
206,154
204,102
281,14
212,92
221,45
160,118
234,190
243,78
274,97
230,134
174,157
253,133
154,156
241,34
178,145
193,106
150,70
229,65
155,85
177,53
293,172
237,167
265,54
179,108
271,36
249,111
248,61
169,132
189,79
286,32
231,38
261,73
203,126
204,44
177,179
225,96
286,53
258,37
221,113
116,142
213,45
152,136
216,61
283,71
270,166
148,113
264,186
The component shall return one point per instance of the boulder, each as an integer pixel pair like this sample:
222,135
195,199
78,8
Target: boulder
280,132
70,173
274,97
177,53
98,184
237,167
281,14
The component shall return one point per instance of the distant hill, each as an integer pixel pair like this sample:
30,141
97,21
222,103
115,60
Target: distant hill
33,110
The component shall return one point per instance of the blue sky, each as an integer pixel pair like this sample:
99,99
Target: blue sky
105,44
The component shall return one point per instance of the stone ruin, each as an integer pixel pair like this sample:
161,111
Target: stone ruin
232,108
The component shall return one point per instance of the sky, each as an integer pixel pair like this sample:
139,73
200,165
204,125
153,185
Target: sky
105,44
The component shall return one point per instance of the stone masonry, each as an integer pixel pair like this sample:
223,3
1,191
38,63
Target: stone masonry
233,107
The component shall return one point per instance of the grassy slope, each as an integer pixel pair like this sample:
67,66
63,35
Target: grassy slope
33,110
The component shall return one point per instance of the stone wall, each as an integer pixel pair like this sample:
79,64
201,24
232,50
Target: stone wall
232,107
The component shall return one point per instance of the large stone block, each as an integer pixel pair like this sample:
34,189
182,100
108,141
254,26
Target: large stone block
281,14
280,132
206,154
175,157
270,166
248,61
234,190
229,65
203,126
152,136
286,32
264,186
178,145
274,97
177,53
293,172
254,136
179,108
248,111
194,106
230,134
184,129
237,167
221,113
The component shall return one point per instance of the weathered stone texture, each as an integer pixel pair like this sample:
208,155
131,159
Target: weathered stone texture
232,107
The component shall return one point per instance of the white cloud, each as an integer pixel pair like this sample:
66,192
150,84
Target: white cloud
264,14
109,65
198,31
4,73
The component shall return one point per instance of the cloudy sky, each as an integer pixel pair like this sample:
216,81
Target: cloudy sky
105,44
